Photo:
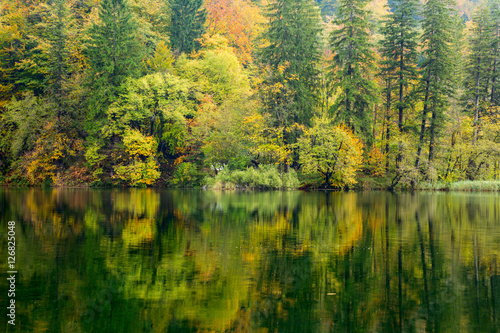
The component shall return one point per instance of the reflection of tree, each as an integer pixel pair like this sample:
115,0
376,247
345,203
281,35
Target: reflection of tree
275,261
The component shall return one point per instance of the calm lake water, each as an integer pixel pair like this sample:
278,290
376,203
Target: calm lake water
145,260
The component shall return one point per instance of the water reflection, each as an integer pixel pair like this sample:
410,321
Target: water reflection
201,261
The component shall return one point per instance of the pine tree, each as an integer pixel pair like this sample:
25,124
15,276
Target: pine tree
399,48
292,47
494,6
458,56
353,63
59,54
436,69
187,24
114,55
398,68
478,66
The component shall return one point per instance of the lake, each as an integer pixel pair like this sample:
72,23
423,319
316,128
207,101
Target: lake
147,260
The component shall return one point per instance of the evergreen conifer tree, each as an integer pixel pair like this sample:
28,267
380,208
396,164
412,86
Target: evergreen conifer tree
353,64
399,49
494,6
293,40
436,69
114,54
458,56
59,54
187,24
478,66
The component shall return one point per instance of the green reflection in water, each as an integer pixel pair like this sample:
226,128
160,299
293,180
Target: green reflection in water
142,260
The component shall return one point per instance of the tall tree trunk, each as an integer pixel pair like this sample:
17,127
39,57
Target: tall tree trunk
401,68
494,69
432,135
424,118
476,99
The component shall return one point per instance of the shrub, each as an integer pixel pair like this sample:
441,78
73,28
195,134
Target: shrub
267,177
186,175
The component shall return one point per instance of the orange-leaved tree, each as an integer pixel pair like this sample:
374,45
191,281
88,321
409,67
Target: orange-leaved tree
238,21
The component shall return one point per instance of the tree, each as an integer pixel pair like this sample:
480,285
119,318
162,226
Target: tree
23,56
479,61
399,48
332,151
139,167
162,59
187,24
146,124
218,133
352,66
217,73
59,55
436,69
494,6
114,55
239,21
37,144
292,44
458,57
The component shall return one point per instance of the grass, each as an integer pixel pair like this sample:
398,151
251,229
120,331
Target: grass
462,185
476,185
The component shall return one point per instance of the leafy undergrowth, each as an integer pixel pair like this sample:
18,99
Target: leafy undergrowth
266,177
477,185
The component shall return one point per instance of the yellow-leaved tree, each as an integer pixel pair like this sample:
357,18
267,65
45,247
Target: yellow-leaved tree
332,151
140,168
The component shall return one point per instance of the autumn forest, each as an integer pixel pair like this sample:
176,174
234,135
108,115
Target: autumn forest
267,94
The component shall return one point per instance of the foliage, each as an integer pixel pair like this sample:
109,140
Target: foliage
436,80
138,173
478,64
268,142
187,24
399,48
161,60
291,49
217,73
28,115
352,66
467,185
266,177
114,53
186,175
44,161
332,151
239,21
160,92
218,132
376,162
23,51
139,167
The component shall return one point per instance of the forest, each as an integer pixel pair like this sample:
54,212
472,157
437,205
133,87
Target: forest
268,94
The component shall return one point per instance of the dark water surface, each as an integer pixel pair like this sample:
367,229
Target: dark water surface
200,261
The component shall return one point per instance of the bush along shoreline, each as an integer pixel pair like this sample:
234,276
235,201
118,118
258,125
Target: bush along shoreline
270,177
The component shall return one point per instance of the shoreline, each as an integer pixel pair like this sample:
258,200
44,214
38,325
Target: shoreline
458,186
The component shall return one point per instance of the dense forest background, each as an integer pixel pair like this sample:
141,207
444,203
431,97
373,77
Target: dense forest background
266,94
